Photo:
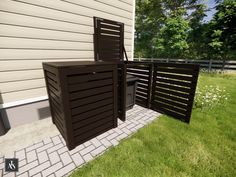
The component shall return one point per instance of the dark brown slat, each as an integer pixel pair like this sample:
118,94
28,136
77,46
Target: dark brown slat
54,91
104,32
109,22
105,38
141,94
141,98
96,131
143,82
111,48
139,76
172,87
181,83
59,122
89,77
59,116
178,77
92,113
111,44
138,72
51,76
52,83
178,94
110,27
92,119
176,70
142,86
91,99
182,100
89,85
129,66
61,130
90,92
168,112
58,106
55,97
142,89
163,105
92,126
90,107
182,65
161,99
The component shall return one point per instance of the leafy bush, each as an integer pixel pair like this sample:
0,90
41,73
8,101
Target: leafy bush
208,97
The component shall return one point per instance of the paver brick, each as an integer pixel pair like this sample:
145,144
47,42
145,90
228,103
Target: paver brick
42,157
55,148
39,168
10,174
27,167
31,156
22,163
77,159
65,158
95,142
127,131
87,150
38,175
122,136
62,150
52,169
114,142
106,143
98,150
65,170
47,146
20,154
47,140
54,157
112,136
52,175
87,157
77,149
56,140
33,147
87,143
102,136
23,175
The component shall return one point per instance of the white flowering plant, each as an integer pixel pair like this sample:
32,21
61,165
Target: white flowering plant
210,96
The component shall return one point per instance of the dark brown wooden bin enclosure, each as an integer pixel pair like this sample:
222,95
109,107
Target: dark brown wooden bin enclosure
83,98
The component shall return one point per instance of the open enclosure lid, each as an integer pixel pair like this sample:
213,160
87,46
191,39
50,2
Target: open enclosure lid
108,40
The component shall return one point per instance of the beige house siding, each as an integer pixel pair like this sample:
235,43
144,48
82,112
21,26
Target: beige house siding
35,31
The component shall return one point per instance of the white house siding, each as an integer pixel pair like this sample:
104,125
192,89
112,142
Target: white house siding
34,31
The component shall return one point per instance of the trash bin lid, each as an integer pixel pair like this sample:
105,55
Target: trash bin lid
130,78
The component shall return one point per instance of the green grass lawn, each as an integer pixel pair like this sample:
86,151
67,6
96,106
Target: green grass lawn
168,147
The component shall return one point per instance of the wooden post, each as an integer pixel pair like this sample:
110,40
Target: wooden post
210,65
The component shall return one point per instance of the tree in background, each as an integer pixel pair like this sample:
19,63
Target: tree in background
171,42
175,28
223,31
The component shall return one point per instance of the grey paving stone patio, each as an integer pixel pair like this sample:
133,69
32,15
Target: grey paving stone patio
51,158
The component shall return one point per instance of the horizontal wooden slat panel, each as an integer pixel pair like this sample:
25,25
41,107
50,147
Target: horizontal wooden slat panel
86,93
81,9
96,131
174,70
20,54
142,89
20,95
20,75
91,106
141,72
178,94
91,99
92,126
92,119
89,77
20,43
92,113
171,97
169,112
89,85
21,85
27,64
173,87
141,94
171,107
175,82
172,76
170,102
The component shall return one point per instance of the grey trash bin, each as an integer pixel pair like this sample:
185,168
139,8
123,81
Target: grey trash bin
131,82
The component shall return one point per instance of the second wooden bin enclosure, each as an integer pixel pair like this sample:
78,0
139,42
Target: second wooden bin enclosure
83,98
